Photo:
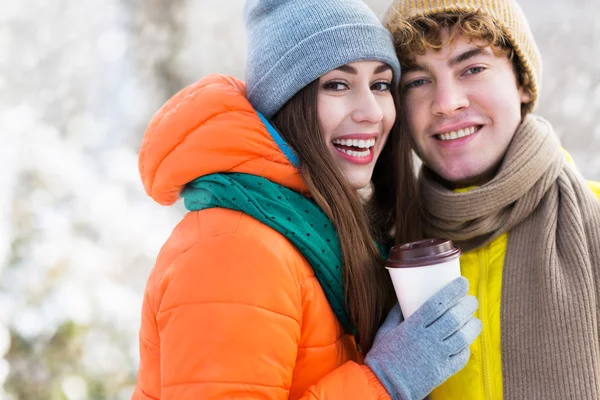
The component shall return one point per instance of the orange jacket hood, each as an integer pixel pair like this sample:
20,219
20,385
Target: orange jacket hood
210,127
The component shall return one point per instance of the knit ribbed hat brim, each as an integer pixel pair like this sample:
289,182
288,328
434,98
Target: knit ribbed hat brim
507,14
315,56
292,43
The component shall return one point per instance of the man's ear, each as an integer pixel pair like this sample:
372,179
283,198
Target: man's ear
525,95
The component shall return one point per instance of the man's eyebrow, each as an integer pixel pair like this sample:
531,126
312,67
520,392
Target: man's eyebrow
414,68
451,62
468,54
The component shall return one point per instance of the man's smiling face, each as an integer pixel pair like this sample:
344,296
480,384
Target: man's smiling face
463,106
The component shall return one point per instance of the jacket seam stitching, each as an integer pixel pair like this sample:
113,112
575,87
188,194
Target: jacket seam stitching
298,296
192,303
224,383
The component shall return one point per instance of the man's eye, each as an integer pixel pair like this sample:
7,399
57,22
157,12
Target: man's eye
335,86
474,70
415,83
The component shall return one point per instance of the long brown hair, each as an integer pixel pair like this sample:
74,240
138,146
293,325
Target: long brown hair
369,293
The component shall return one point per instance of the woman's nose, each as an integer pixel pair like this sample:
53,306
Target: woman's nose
367,109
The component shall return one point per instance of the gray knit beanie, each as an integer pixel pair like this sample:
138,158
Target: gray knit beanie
293,42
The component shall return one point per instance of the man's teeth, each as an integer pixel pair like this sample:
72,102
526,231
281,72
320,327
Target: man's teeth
457,134
363,144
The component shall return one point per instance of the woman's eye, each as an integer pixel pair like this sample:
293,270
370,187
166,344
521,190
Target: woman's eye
335,86
381,86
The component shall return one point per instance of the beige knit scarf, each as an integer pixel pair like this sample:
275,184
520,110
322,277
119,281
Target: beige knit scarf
550,306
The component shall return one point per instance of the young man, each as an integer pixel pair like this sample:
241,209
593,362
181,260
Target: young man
495,180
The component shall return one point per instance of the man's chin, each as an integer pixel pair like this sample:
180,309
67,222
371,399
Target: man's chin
461,173
462,180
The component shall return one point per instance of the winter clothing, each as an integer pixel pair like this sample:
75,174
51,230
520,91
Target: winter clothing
442,329
507,13
550,272
292,43
293,215
481,379
232,308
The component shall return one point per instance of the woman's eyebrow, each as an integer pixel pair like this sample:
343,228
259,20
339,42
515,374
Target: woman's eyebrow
351,70
347,68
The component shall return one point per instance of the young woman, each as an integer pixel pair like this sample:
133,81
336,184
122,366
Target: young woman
273,281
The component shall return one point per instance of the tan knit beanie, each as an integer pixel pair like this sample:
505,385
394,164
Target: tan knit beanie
507,13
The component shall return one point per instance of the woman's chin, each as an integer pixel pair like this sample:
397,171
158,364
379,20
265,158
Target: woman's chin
359,179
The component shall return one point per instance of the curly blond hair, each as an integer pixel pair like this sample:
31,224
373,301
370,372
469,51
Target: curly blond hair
415,35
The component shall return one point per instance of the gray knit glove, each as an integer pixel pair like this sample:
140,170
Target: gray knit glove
414,357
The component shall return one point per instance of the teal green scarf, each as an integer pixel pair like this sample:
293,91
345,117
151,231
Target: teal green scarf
293,215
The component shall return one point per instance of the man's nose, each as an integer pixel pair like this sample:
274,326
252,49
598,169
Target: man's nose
449,97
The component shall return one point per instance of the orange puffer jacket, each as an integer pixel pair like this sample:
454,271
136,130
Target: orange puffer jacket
231,308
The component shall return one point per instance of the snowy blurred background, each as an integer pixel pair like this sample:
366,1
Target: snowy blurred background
79,81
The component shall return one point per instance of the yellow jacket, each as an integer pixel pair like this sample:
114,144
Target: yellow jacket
482,376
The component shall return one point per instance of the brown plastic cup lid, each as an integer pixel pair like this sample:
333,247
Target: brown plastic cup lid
422,253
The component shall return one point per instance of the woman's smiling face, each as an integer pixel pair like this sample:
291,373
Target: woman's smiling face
356,112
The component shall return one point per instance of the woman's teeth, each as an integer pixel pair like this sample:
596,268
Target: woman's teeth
352,153
364,146
457,134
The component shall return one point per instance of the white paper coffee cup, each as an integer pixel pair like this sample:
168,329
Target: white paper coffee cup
420,269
